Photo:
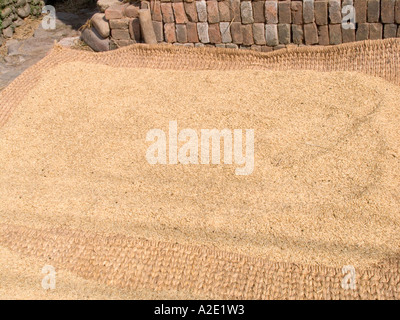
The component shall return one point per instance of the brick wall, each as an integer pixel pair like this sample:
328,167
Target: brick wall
258,25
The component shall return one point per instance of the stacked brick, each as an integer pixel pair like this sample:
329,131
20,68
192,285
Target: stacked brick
259,25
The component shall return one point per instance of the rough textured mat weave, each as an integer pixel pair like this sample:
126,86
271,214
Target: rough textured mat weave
77,192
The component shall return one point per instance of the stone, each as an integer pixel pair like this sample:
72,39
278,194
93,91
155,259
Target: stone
201,10
181,33
132,11
158,30
266,49
179,12
121,43
191,12
103,5
398,32
387,11
321,12
310,33
284,33
297,12
284,12
119,24
360,7
246,10
259,33
8,32
390,31
199,45
271,35
258,11
92,38
373,10
247,32
224,11
271,12
335,34
202,31
191,28
323,35
231,46
6,12
225,32
308,11
375,31
24,11
169,32
212,11
116,11
189,45
7,22
236,32
214,33
297,33
19,22
101,24
335,11
167,13
362,32
255,47
134,29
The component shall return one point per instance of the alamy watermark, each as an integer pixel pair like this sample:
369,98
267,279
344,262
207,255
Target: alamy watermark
188,153
49,281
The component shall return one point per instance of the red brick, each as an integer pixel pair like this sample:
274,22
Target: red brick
191,12
169,32
387,11
361,10
297,12
323,35
167,13
132,11
224,11
119,23
375,31
156,11
191,28
373,10
259,33
179,12
271,12
236,32
212,11
235,10
258,11
247,32
397,12
335,11
297,33
390,30
335,34
214,33
266,49
115,12
321,12
308,11
348,35
284,12
310,33
362,32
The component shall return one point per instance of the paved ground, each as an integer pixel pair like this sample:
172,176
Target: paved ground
20,54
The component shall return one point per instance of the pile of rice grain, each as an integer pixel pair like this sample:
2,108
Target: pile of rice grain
324,191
